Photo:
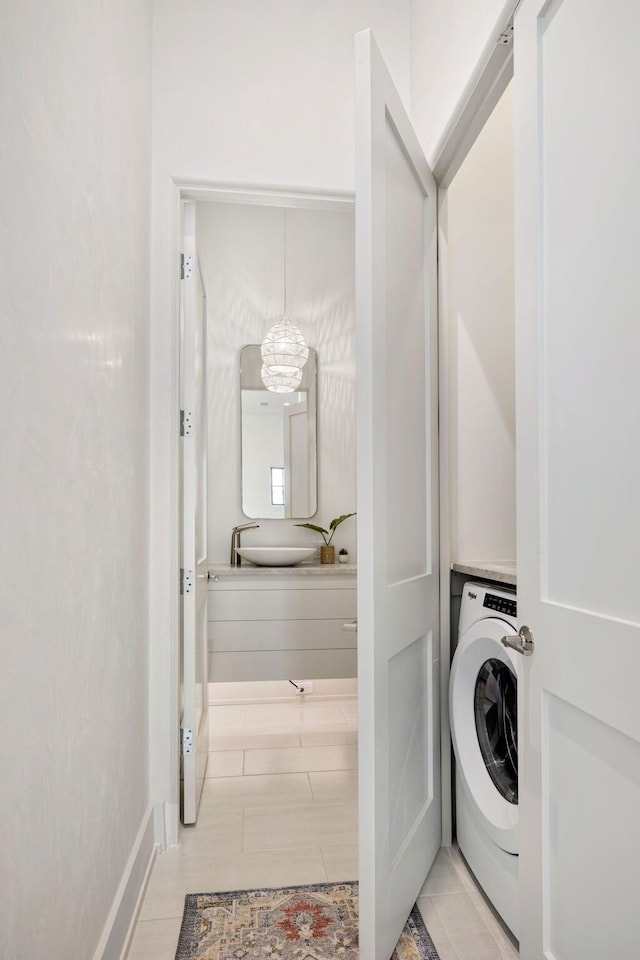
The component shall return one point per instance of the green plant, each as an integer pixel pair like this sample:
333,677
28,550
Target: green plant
327,535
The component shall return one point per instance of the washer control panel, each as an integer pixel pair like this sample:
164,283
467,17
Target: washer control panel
481,601
500,604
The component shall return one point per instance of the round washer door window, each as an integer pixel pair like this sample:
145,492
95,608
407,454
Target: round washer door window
496,716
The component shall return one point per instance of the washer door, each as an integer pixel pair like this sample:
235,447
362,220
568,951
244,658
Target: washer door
483,694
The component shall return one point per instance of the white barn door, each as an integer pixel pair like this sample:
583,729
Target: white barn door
398,605
577,74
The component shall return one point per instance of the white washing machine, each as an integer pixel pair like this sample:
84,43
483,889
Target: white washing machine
484,728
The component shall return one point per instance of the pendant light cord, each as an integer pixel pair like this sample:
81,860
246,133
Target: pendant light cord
284,260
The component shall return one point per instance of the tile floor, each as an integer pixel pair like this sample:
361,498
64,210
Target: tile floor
279,807
461,923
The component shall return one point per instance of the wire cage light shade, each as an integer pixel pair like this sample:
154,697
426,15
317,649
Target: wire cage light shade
284,352
280,382
283,349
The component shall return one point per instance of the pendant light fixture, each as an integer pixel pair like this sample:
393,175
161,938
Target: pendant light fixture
284,352
280,382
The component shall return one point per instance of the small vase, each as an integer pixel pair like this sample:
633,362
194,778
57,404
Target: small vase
328,554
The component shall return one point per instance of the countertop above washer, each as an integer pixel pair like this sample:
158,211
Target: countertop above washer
502,571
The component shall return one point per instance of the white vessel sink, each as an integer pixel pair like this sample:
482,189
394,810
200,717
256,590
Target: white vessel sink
275,556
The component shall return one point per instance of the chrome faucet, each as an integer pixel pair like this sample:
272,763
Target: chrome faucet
236,560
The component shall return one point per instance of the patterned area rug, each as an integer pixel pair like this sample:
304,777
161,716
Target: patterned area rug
318,922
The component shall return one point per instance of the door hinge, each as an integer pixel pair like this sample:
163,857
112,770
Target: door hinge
507,35
186,266
186,423
186,581
186,741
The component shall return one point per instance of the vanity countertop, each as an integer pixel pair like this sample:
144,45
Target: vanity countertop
314,569
502,571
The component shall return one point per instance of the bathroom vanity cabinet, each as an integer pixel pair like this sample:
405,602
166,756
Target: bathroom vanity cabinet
281,623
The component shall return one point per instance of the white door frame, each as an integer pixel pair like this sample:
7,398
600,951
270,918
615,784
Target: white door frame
488,82
164,677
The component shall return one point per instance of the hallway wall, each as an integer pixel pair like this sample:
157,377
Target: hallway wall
74,245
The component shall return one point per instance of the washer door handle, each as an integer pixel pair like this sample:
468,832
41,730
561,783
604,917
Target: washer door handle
522,642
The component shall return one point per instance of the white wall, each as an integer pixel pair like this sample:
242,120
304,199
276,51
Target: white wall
264,92
448,39
241,253
263,448
74,260
480,231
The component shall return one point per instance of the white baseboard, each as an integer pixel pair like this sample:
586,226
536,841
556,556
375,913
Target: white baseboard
118,930
280,691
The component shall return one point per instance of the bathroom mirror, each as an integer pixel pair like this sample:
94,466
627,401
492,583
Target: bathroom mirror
278,443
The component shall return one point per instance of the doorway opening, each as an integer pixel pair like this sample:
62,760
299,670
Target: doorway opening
276,756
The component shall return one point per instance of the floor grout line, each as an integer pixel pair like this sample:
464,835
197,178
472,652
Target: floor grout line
324,864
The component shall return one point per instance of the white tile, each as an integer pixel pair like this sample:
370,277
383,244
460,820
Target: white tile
508,949
225,720
464,925
436,930
298,708
155,939
334,786
175,876
476,946
297,712
244,741
443,876
327,824
225,763
257,790
445,950
504,938
329,735
429,915
217,833
458,913
278,728
349,709
296,759
341,862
